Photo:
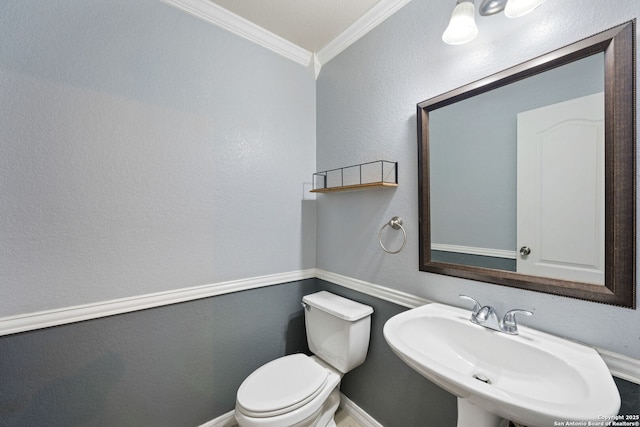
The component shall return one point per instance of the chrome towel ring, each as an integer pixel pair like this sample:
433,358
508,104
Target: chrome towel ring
395,223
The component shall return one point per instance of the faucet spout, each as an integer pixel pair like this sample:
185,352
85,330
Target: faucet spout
476,305
487,317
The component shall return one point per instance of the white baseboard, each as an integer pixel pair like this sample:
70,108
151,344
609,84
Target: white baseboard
224,420
354,411
357,413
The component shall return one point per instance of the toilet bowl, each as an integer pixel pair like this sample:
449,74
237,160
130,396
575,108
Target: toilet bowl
295,390
304,391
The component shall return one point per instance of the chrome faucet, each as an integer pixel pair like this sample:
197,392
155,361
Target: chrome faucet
488,317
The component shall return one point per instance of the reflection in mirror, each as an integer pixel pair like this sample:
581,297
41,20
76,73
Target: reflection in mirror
478,183
527,177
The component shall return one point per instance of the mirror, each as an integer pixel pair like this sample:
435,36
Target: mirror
527,177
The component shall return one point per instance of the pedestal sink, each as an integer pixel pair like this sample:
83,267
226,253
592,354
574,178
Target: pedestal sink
534,379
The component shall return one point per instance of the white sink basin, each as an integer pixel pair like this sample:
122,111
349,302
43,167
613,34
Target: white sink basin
534,379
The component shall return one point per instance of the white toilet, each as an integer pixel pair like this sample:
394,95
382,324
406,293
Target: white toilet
301,391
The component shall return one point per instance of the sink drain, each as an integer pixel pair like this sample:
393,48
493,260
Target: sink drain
482,378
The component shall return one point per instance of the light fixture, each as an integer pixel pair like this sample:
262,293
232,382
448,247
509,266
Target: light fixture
462,26
491,7
518,8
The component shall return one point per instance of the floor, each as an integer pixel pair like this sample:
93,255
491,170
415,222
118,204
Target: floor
344,420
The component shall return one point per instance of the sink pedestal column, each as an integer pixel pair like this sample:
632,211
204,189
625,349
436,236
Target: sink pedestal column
470,415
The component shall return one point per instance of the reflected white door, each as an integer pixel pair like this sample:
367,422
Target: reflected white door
561,190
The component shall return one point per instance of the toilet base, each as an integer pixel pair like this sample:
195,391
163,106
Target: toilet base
329,410
322,417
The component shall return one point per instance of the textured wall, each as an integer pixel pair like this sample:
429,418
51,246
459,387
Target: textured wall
144,150
178,365
366,103
181,365
396,396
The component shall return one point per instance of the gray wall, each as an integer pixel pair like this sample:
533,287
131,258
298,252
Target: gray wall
177,365
181,365
144,150
396,396
384,386
366,109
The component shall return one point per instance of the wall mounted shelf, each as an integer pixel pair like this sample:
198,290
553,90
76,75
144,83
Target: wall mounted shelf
377,174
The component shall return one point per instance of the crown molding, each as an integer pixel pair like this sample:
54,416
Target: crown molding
374,17
217,15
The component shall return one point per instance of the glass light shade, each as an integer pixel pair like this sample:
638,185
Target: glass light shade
518,8
462,27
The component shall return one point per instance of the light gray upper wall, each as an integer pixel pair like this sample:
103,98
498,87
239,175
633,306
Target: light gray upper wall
144,150
366,110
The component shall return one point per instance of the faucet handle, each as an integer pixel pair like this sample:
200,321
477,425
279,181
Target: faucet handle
476,305
509,323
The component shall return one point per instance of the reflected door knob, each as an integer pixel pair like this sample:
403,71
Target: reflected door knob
525,250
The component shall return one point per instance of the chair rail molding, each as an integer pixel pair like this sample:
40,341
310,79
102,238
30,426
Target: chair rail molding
62,316
621,366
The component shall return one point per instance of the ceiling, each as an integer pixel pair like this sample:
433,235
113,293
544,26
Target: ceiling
309,32
310,24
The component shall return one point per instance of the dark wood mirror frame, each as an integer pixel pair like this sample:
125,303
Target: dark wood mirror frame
618,45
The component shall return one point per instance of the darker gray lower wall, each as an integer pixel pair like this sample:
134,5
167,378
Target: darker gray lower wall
172,366
384,386
181,365
397,396
629,396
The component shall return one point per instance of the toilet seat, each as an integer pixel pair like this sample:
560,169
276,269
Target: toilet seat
281,386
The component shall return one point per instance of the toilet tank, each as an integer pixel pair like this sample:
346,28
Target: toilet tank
338,329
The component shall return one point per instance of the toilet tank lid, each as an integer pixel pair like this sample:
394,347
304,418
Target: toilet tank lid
338,306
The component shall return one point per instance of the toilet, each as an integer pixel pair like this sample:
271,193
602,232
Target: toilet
299,390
